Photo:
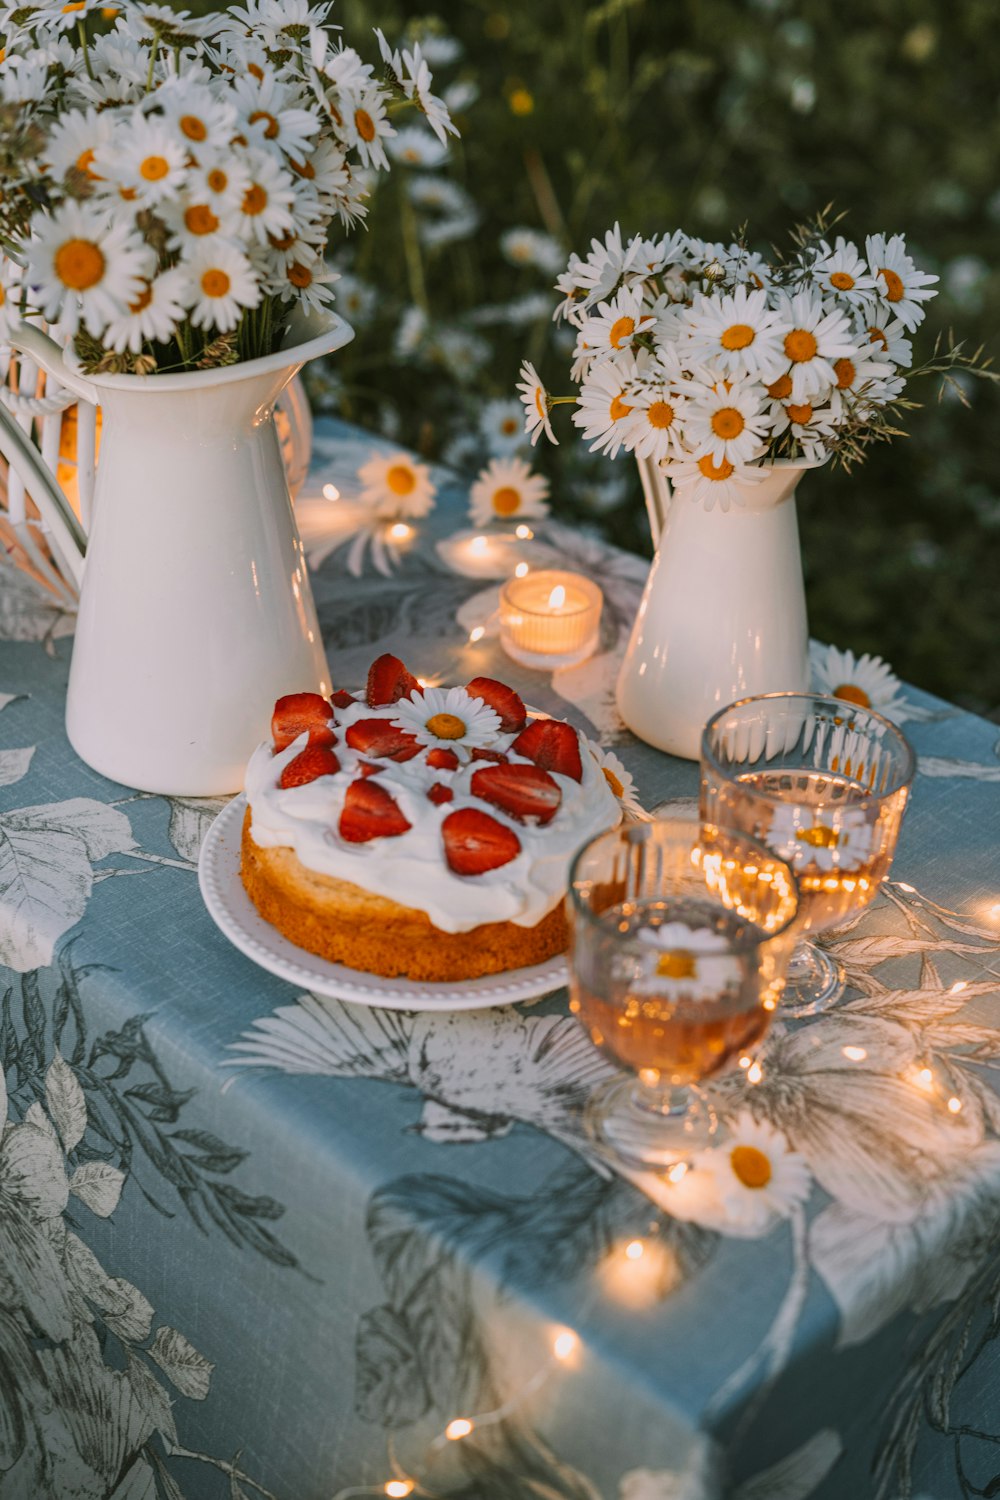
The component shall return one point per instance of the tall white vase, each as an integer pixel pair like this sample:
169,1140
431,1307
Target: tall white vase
723,615
195,607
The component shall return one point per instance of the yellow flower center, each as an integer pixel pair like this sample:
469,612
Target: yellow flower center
620,330
300,275
83,162
217,180
851,693
285,242
846,373
715,471
540,402
660,414
199,219
618,409
877,336
446,726
613,782
522,102
800,414
738,336
215,283
727,423
143,300
154,168
750,1166
303,169
800,346
79,264
509,426
506,500
781,388
256,71
365,124
193,128
819,836
676,963
271,128
400,479
254,200
894,289
74,5
841,280
3,294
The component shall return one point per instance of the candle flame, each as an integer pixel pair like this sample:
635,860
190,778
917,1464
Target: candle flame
557,598
331,492
521,571
399,532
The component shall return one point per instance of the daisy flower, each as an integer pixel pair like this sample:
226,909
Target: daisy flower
416,80
616,323
569,284
604,403
736,334
155,313
439,195
810,424
310,280
176,28
63,15
448,716
621,781
812,338
688,963
222,285
265,206
897,280
759,1178
397,485
24,80
270,112
727,422
535,400
653,257
415,147
529,247
865,680
365,125
83,269
813,838
219,181
506,490
344,68
608,263
197,115
655,426
501,423
841,273
711,484
144,157
886,332
75,139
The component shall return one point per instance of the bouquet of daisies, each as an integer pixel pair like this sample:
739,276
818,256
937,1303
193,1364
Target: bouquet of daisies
716,363
169,183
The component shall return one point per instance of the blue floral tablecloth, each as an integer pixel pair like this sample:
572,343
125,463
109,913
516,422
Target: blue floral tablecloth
256,1242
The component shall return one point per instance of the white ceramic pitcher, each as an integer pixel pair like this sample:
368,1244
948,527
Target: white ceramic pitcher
723,615
195,606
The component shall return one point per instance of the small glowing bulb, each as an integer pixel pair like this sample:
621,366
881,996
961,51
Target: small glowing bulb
399,532
422,682
995,910
856,1054
925,1078
399,1488
677,1172
769,1003
634,1249
564,1344
745,1061
557,598
910,889
525,533
755,1073
956,989
331,492
476,634
479,544
954,1105
521,570
459,1428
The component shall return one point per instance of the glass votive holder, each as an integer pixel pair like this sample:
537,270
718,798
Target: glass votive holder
550,618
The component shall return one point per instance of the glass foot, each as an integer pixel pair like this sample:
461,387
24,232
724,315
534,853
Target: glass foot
814,984
649,1127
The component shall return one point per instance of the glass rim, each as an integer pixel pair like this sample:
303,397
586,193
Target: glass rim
899,783
696,824
591,602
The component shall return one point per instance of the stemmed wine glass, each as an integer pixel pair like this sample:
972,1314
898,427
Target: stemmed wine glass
824,784
681,940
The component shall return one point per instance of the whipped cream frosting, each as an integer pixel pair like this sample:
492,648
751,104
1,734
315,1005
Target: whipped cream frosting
411,868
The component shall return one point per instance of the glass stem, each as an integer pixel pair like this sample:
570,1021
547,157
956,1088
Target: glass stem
666,1099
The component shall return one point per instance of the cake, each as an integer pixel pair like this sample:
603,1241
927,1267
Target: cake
420,831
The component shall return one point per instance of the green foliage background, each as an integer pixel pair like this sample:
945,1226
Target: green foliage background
704,114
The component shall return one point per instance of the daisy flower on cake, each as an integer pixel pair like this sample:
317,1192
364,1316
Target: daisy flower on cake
506,490
448,717
396,486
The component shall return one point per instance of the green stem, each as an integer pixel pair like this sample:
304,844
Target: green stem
414,260
152,61
86,50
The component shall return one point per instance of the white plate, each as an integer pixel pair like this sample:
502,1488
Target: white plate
234,914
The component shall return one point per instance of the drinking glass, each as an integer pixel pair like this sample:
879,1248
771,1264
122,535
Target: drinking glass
824,784
680,945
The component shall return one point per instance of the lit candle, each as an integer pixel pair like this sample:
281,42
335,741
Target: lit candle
479,554
550,619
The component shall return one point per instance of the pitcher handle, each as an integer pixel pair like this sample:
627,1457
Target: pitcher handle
47,353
